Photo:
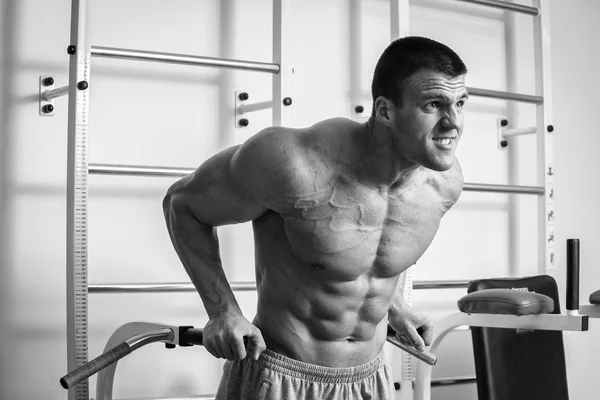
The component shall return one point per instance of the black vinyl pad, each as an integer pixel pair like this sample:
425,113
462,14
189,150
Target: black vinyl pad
505,301
516,365
595,297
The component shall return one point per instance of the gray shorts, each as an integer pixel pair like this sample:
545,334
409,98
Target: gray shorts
276,377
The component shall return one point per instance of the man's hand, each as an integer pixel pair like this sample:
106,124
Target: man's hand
227,333
412,327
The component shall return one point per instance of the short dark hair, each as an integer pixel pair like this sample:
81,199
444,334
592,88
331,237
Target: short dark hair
405,57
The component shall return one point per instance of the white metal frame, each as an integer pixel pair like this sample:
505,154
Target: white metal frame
549,322
545,140
78,167
77,171
592,310
400,27
104,387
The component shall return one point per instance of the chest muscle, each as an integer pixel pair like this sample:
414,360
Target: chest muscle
355,229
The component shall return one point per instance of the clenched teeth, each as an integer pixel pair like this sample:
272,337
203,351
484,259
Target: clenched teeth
443,140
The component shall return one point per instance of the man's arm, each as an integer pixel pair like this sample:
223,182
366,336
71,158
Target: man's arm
193,208
236,185
413,328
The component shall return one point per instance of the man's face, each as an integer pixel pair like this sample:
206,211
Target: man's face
429,124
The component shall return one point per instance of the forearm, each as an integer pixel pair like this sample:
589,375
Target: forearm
197,246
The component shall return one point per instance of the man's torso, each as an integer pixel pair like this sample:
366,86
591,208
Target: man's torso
329,258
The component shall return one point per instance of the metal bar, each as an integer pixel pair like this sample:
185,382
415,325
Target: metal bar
494,94
593,311
235,286
355,35
137,170
440,284
160,287
182,59
546,322
545,141
145,338
484,187
453,381
76,213
519,131
248,108
283,54
52,94
199,397
534,11
104,381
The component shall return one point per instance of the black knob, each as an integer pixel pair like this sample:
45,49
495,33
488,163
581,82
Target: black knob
82,85
550,128
49,81
243,96
397,385
47,109
287,101
359,109
244,122
504,143
170,345
71,49
504,122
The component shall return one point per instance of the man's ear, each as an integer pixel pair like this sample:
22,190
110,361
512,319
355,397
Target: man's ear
384,111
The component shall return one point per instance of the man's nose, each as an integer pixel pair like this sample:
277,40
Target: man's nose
451,119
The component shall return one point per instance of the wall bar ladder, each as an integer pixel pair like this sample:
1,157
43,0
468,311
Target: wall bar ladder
78,167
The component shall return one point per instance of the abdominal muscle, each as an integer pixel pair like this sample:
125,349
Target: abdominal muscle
308,313
322,328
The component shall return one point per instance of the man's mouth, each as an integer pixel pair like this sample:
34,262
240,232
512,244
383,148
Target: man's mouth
445,140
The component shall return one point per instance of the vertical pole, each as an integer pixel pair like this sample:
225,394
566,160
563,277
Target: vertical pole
545,140
356,55
282,52
514,200
399,19
572,276
77,170
399,27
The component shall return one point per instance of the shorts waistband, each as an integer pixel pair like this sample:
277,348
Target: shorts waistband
317,373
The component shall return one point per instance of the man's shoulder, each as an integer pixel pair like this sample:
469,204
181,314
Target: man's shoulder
320,143
281,161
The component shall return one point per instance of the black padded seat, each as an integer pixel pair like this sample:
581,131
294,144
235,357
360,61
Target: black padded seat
513,365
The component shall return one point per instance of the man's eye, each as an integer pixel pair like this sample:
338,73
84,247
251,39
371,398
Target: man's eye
460,104
433,104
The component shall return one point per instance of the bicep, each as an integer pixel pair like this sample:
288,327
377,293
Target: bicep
213,196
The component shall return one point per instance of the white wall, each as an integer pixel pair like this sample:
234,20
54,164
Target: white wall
177,116
575,58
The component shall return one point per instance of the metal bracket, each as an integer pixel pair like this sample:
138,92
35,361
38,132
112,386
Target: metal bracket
46,107
501,126
241,99
242,107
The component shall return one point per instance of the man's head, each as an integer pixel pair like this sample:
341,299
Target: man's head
418,91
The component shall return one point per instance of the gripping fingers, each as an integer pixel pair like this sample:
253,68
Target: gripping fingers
415,339
237,348
214,351
426,332
404,339
257,344
224,351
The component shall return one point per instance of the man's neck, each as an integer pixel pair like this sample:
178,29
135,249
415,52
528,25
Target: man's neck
380,163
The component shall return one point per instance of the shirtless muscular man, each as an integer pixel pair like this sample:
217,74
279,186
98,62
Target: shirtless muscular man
339,210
